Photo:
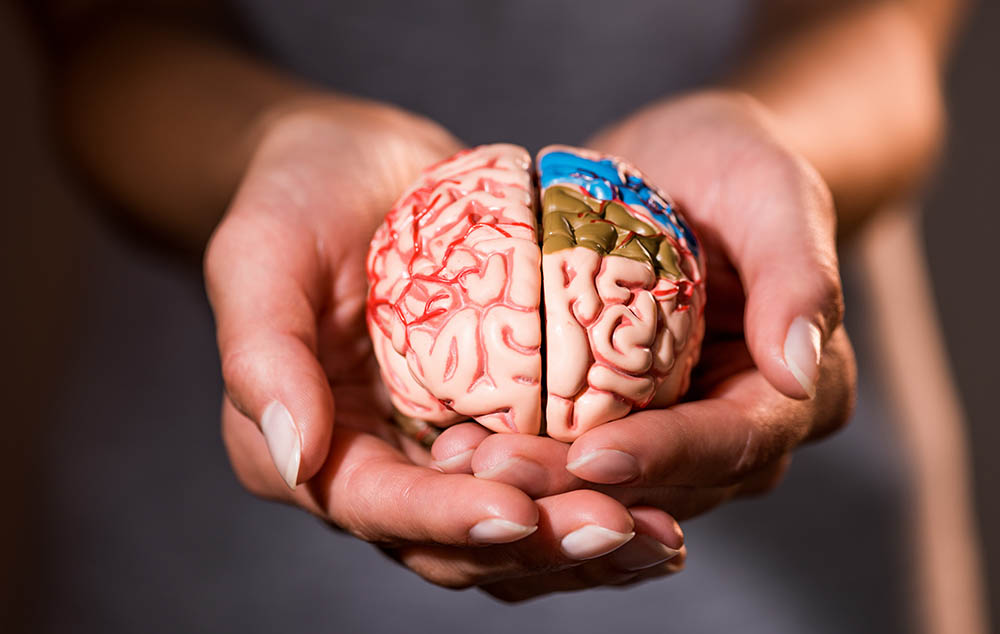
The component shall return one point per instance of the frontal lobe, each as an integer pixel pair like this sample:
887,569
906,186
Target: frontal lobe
453,307
624,293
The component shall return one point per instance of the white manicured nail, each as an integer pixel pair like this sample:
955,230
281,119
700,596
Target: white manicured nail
449,464
643,552
499,531
605,466
802,350
593,541
503,467
282,441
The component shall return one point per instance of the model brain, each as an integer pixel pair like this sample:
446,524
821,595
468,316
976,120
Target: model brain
470,298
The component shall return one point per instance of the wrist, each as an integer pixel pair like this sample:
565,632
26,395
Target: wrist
345,118
677,118
315,151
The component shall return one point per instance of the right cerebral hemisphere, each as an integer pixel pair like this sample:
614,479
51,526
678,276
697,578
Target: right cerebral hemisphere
550,302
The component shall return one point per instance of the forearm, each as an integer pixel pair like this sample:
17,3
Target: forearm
164,121
858,94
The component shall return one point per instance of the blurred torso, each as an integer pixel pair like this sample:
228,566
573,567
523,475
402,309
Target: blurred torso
521,71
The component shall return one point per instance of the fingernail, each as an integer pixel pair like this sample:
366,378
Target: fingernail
499,531
451,464
802,349
606,466
282,441
517,472
643,552
592,541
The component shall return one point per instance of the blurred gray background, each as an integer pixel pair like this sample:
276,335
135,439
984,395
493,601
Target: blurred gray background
92,317
962,227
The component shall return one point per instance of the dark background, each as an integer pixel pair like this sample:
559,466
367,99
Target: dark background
79,297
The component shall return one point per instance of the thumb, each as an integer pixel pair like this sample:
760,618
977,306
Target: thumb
264,287
770,212
787,260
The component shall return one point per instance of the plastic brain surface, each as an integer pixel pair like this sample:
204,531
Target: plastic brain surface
459,270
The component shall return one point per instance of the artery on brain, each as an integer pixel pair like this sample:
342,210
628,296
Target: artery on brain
455,310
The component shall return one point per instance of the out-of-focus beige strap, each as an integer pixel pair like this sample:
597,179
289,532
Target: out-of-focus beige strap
924,402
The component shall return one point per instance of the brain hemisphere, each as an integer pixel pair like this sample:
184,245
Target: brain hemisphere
456,283
623,285
454,298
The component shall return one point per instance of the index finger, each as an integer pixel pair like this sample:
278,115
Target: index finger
372,490
264,280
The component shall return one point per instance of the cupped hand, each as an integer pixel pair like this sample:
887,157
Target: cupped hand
777,368
305,419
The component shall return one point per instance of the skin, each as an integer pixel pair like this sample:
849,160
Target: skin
747,414
812,121
305,314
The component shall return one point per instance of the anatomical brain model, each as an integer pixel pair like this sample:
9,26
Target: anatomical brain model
477,313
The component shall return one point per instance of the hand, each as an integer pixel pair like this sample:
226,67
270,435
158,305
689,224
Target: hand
777,368
286,277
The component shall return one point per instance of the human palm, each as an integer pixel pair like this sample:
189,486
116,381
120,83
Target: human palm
524,515
286,277
776,369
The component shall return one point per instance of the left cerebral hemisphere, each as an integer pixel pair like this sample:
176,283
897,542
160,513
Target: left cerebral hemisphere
459,269
454,298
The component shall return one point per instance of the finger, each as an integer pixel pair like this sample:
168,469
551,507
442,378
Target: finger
641,558
659,538
666,568
783,246
681,502
534,464
766,479
537,466
370,489
263,284
584,577
670,567
572,580
572,527
773,216
452,450
742,427
577,526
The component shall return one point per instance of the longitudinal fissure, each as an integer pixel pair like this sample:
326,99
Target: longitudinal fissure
610,269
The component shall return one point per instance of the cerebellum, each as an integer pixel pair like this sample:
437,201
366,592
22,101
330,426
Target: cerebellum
463,281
